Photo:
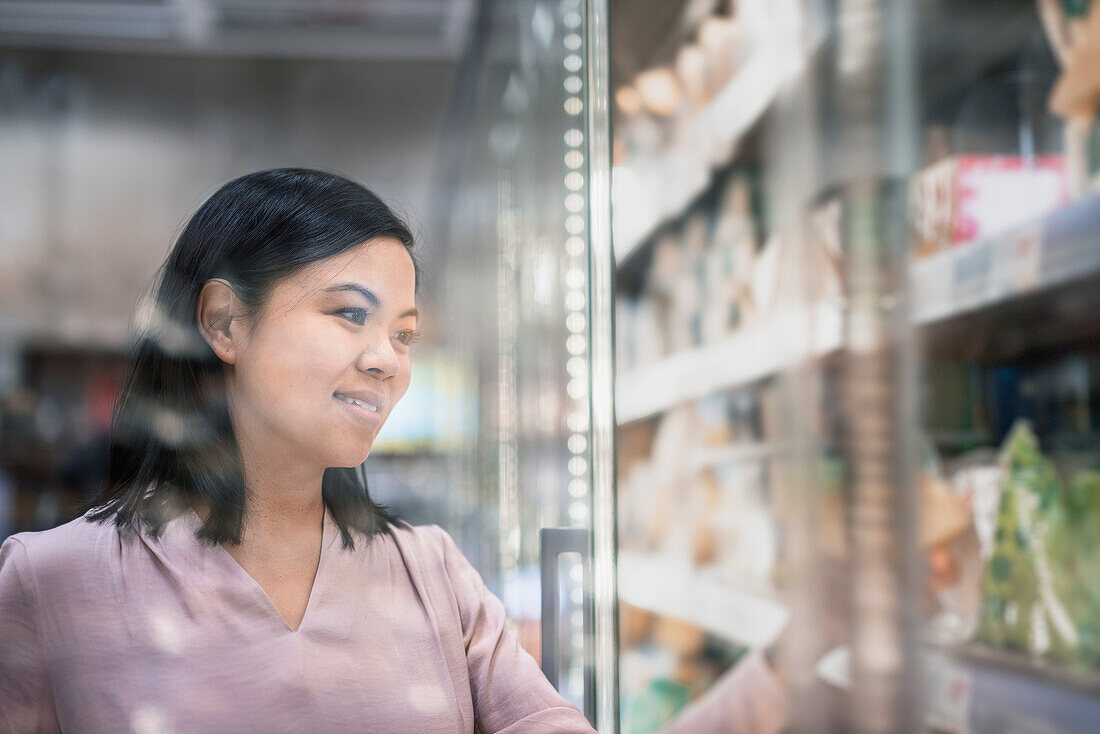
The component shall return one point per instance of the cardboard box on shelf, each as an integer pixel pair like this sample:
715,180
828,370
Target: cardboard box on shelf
970,197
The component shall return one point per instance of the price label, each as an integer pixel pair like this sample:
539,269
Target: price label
1016,262
949,693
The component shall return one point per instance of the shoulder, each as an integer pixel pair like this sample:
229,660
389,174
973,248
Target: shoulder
426,543
74,547
431,553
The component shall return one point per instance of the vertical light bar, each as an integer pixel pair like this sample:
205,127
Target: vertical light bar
507,451
575,289
575,207
876,91
602,368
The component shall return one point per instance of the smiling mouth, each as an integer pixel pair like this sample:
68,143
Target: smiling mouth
360,403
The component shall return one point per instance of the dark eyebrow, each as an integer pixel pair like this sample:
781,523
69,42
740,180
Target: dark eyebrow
368,294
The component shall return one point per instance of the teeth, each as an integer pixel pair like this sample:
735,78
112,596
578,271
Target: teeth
360,403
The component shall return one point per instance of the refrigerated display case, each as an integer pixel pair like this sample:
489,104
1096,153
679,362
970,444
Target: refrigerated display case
730,340
856,266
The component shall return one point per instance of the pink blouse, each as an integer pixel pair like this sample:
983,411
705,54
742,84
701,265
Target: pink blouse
109,631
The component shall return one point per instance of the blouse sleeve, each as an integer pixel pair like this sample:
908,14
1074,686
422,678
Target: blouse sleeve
25,701
510,693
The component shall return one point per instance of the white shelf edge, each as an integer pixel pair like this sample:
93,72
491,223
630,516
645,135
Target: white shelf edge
1055,249
670,589
713,456
740,359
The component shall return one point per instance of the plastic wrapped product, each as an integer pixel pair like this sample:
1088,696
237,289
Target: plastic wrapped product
1020,609
1074,549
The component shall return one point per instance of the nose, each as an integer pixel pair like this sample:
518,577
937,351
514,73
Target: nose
378,358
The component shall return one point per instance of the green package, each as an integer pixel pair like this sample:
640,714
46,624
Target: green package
1021,609
1073,547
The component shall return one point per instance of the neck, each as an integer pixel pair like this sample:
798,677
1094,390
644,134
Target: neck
283,496
283,491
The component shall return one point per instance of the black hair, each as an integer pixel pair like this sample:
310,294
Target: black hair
172,440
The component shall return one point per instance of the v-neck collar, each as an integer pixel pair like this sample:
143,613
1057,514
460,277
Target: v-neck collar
328,532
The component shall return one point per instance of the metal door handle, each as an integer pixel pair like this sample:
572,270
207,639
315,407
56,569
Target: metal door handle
552,543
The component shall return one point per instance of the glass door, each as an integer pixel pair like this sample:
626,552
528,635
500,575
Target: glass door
525,189
730,335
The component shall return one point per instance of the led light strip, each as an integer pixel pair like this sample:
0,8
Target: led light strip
576,319
576,278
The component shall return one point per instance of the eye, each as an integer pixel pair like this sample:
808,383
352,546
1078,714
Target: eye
407,336
354,315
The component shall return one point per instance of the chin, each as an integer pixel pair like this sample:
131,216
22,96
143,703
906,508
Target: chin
352,457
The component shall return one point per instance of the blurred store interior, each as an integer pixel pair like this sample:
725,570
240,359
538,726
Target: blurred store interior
849,273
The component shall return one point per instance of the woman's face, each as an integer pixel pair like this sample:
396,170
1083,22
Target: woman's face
327,357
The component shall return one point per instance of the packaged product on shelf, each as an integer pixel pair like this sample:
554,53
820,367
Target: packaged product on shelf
633,443
715,420
943,515
948,539
626,333
718,37
660,91
731,260
638,510
719,316
1020,607
668,262
776,283
765,280
692,67
688,284
648,334
685,534
745,534
772,427
826,251
969,197
704,537
1073,546
978,478
932,208
664,486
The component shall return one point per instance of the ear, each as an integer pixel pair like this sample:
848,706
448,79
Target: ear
218,316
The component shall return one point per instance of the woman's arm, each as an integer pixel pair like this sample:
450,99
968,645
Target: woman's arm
25,701
510,693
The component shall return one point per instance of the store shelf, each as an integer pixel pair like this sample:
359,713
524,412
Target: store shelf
668,184
744,357
673,589
982,690
977,655
1055,250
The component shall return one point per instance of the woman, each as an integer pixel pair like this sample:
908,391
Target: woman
234,575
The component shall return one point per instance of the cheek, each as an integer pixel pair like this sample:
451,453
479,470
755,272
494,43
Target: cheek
292,371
